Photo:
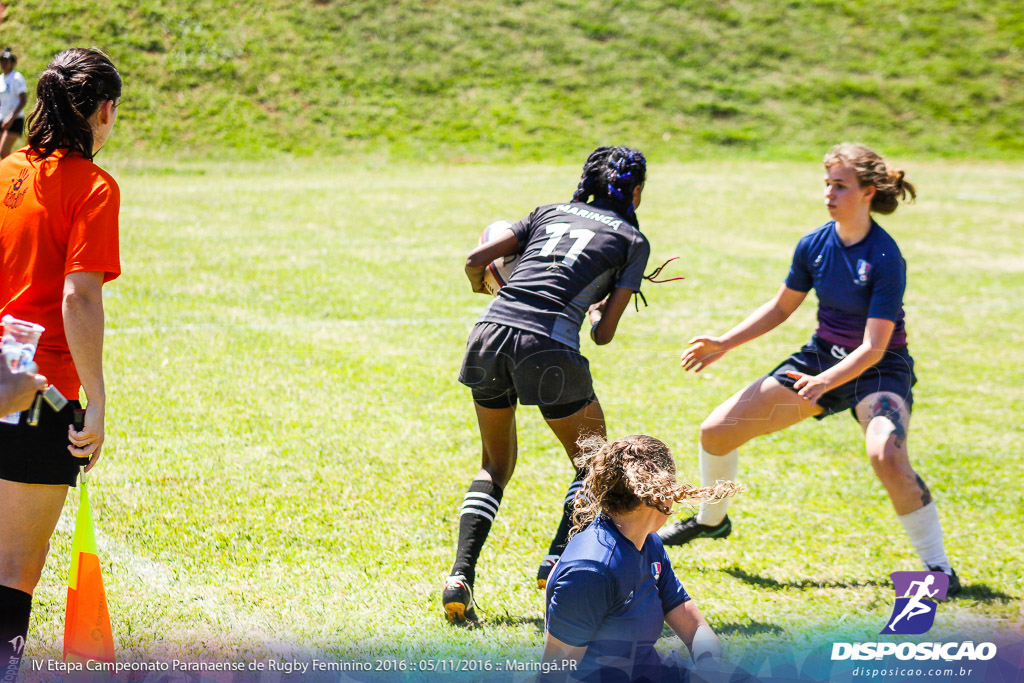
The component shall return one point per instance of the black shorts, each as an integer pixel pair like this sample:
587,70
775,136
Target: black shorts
17,126
504,364
39,455
894,374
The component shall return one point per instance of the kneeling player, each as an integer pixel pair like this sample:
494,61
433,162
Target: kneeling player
614,589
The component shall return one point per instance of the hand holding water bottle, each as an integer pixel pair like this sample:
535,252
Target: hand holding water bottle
18,345
17,389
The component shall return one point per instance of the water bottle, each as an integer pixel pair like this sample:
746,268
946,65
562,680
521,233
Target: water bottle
18,346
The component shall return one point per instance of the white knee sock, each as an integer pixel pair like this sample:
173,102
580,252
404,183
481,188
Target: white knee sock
712,469
925,534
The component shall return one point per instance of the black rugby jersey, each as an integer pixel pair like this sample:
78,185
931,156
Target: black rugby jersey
573,255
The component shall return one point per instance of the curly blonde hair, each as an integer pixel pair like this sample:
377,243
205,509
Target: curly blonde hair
630,472
872,169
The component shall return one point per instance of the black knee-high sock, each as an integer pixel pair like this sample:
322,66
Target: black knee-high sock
562,535
478,510
15,607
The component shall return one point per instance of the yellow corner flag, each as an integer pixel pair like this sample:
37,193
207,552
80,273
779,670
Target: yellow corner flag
87,632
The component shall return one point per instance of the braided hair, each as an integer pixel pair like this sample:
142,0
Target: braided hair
74,85
611,174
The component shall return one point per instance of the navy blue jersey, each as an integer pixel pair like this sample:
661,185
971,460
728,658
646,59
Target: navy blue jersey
609,596
573,255
854,283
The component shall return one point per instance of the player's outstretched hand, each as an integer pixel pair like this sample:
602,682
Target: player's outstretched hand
809,387
88,442
703,352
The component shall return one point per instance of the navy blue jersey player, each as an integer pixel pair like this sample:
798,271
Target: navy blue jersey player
613,590
857,359
579,259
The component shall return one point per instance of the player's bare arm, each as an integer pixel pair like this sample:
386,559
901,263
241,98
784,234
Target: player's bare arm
689,624
558,658
605,316
477,260
83,325
705,350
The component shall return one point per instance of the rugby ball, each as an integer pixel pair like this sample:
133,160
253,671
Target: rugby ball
500,269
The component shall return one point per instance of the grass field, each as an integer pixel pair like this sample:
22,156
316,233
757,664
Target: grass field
536,79
288,446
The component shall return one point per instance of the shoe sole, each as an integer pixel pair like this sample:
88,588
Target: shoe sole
455,612
719,535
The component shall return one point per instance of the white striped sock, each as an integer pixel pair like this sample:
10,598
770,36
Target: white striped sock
477,503
574,488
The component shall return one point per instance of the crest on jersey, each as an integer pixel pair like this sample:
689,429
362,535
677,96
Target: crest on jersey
656,570
863,272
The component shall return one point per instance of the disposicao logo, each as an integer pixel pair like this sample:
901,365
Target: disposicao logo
916,596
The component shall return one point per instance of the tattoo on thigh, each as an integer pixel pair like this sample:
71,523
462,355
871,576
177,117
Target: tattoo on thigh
926,495
886,407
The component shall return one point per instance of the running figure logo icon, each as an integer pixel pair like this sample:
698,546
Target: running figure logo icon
916,597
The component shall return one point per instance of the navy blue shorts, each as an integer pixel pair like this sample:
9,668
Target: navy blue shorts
504,364
39,455
17,126
894,374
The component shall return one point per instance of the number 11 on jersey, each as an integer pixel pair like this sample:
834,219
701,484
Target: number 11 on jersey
581,237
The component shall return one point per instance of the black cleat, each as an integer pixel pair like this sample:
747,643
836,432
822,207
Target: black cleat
544,571
680,533
457,599
954,581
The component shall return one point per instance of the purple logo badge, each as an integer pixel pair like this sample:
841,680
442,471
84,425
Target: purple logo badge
916,596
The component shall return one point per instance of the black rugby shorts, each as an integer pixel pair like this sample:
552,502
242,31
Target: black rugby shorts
39,455
505,362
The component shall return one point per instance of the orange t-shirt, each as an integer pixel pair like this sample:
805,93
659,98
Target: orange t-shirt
58,216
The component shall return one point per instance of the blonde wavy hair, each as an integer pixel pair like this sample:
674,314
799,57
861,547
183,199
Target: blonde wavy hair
630,472
890,184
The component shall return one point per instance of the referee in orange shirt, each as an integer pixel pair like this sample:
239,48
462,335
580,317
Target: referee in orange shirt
58,245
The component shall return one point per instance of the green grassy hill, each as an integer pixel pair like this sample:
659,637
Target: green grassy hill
541,78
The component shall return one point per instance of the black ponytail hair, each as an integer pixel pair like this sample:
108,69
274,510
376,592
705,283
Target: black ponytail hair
611,174
74,85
